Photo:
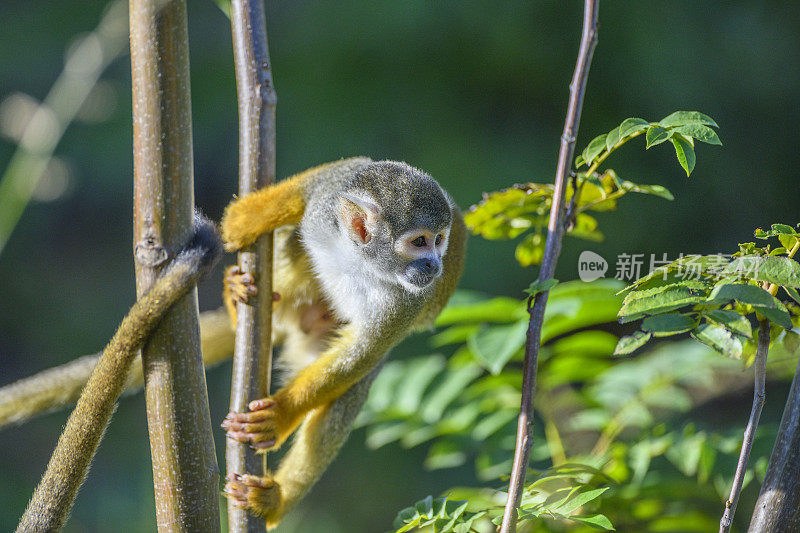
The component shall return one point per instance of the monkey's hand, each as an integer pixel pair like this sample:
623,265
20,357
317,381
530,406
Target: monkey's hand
239,287
265,427
261,496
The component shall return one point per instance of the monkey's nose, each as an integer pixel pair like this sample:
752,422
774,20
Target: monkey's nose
429,267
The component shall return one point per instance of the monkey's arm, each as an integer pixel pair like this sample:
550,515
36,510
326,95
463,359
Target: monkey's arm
348,359
278,205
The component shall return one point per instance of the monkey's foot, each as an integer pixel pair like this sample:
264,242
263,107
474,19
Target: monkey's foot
260,496
263,427
239,286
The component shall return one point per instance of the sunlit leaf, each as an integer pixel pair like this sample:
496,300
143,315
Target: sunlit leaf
685,152
594,148
681,118
720,339
632,125
700,132
761,300
732,321
657,135
630,343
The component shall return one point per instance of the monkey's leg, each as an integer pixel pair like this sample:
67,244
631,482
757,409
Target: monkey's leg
316,444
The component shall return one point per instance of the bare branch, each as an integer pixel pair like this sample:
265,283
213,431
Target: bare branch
185,471
555,230
760,374
252,358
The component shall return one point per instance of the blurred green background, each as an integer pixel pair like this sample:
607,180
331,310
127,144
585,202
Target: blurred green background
473,92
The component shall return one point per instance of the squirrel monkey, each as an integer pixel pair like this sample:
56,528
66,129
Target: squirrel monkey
366,252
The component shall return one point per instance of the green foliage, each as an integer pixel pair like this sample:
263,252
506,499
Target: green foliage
559,494
711,297
441,514
524,208
464,407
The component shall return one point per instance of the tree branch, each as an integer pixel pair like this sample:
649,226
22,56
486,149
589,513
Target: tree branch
555,230
760,377
58,387
185,471
252,360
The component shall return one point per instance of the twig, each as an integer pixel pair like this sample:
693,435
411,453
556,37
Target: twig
552,249
185,472
760,373
252,358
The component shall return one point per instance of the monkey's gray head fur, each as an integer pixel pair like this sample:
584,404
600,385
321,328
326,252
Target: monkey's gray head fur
390,205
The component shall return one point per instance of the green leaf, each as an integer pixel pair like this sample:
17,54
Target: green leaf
732,321
537,286
773,269
791,341
681,118
793,294
788,241
597,521
531,250
596,146
581,499
685,153
500,309
783,229
720,339
495,345
655,190
630,343
668,324
761,300
700,132
612,138
659,300
632,125
656,135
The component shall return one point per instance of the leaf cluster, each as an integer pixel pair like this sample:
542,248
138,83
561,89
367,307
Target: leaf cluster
718,298
524,208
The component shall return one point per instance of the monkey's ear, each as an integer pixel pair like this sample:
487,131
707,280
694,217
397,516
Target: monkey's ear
359,216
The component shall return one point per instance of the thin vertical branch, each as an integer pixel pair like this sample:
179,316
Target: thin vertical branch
185,472
555,230
778,505
252,358
760,378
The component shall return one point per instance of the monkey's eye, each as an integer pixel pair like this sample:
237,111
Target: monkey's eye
438,239
419,242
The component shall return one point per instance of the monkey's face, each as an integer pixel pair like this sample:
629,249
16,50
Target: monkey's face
421,251
410,258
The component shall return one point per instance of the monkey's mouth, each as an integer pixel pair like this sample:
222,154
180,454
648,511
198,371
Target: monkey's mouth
415,281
